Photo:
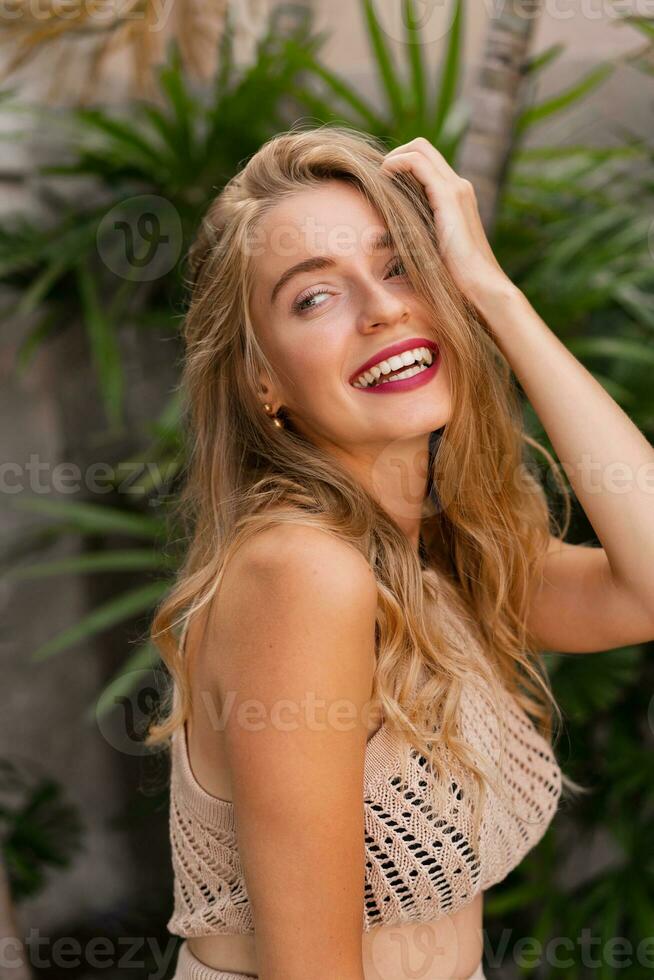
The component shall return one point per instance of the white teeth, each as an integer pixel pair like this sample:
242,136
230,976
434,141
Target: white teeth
415,369
415,360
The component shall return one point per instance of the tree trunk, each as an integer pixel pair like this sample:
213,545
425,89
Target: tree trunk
14,955
495,102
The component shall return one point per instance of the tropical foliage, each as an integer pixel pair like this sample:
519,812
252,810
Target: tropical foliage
40,828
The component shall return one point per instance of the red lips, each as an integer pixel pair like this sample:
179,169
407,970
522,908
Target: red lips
397,348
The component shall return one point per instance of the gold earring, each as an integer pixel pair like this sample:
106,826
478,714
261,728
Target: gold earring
269,411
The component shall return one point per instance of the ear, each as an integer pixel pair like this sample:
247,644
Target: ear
265,389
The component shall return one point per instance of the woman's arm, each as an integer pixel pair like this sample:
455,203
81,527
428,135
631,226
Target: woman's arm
295,632
589,598
577,607
608,461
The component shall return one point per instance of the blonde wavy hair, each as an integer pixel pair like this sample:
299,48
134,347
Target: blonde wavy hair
450,616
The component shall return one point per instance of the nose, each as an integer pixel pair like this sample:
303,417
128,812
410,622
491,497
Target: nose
381,305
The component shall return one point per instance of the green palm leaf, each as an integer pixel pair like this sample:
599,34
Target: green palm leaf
642,23
185,109
104,345
120,560
417,91
637,303
450,74
622,348
123,136
384,61
108,614
563,100
45,327
341,90
88,518
540,61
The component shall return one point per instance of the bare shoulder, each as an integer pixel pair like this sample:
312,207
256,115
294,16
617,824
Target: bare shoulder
294,589
297,550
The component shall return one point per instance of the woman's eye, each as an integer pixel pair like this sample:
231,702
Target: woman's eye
304,304
298,305
398,264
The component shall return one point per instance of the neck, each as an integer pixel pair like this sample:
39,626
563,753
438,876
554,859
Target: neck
396,475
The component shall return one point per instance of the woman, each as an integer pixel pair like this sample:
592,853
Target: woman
368,539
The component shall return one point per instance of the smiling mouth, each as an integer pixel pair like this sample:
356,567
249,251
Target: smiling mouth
409,372
388,370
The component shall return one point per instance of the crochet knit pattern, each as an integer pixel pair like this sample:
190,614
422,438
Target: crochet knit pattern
420,864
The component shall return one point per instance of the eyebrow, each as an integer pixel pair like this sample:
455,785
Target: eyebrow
379,243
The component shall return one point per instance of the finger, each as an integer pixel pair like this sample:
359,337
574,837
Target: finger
428,150
421,168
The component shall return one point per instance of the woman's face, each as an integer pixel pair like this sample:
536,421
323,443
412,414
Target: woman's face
320,323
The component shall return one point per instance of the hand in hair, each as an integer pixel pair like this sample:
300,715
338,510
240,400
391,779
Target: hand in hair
464,247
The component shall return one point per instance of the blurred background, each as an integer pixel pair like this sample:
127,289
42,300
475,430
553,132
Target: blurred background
118,122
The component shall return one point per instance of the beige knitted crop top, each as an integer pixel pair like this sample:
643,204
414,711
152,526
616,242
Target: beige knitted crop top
420,864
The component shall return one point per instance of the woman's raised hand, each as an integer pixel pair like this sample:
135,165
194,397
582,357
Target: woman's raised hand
463,244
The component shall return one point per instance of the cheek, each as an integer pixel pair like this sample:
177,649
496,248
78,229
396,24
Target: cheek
313,366
313,375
